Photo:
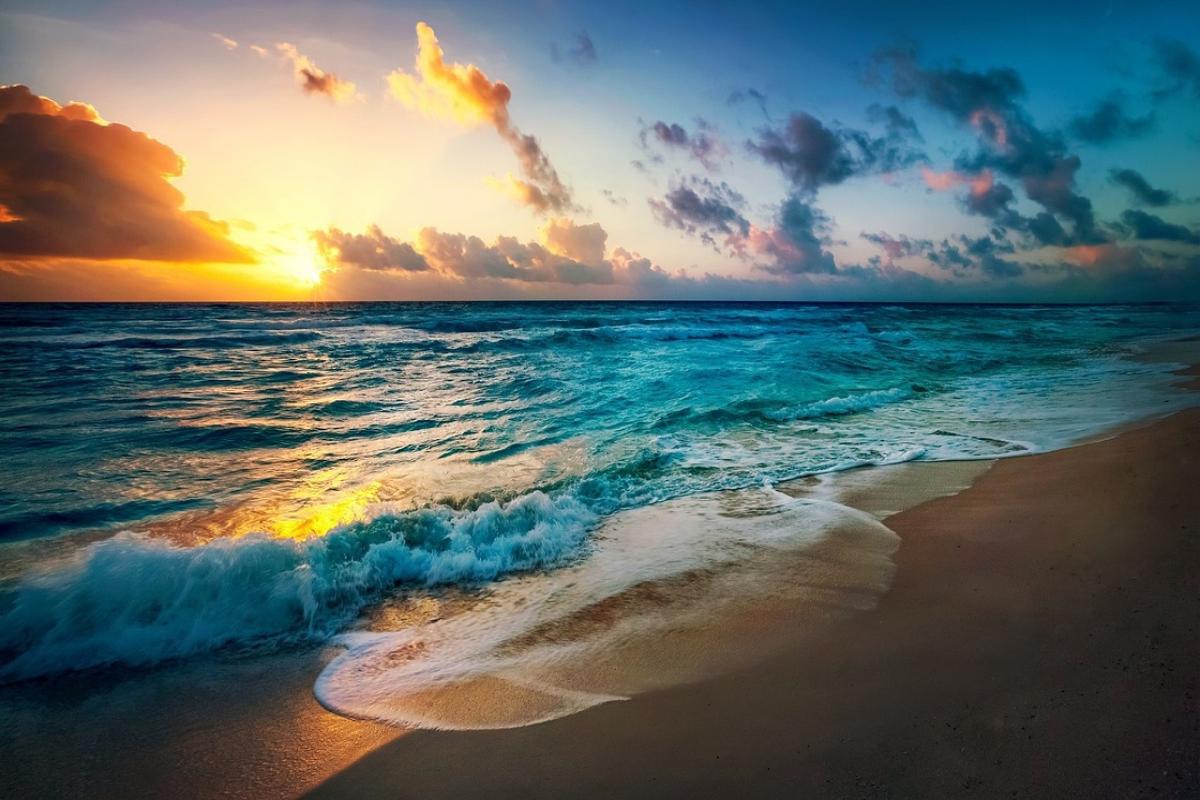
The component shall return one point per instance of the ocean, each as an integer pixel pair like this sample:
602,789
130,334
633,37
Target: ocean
183,481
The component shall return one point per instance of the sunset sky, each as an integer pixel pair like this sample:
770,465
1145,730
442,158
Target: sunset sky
319,151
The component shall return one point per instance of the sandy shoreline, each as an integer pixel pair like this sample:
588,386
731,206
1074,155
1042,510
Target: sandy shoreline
1040,639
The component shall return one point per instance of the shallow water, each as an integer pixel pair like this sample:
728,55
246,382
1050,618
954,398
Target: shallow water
184,479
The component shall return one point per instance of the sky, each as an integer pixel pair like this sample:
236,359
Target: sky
940,151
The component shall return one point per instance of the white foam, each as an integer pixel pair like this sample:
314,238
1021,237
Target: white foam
138,600
540,646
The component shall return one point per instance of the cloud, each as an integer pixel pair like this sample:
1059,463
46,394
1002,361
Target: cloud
581,52
583,243
749,94
896,123
703,144
985,195
72,185
371,250
796,244
565,255
1109,122
1180,66
1148,226
700,207
614,198
901,246
964,255
314,80
960,256
1141,189
464,94
226,42
990,103
811,155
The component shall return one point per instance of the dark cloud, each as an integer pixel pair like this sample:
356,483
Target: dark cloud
991,103
896,123
582,51
1046,229
1141,189
702,144
796,245
811,155
1148,226
1180,66
961,256
72,185
703,208
1110,122
371,250
901,246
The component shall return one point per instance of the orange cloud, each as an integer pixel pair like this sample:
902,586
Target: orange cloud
1087,255
583,243
979,183
314,80
73,185
991,125
458,92
463,93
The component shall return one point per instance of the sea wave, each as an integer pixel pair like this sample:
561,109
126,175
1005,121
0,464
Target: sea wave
134,600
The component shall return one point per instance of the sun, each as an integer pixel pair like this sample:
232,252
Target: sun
300,264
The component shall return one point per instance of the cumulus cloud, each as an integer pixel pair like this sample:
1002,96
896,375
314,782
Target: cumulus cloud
702,144
985,195
895,247
371,250
1109,122
583,243
796,244
964,257
581,52
1143,225
73,185
566,254
991,103
700,207
811,155
463,93
314,80
1140,188
225,41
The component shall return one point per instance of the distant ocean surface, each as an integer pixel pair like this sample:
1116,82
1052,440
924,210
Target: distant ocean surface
184,479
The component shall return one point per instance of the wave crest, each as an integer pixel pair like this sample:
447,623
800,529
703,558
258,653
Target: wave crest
136,601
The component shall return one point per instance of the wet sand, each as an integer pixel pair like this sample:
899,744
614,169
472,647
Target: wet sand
1041,639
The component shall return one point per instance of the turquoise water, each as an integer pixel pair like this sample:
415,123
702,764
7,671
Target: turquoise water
180,479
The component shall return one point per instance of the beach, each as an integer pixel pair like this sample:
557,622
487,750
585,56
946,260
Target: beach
1040,639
